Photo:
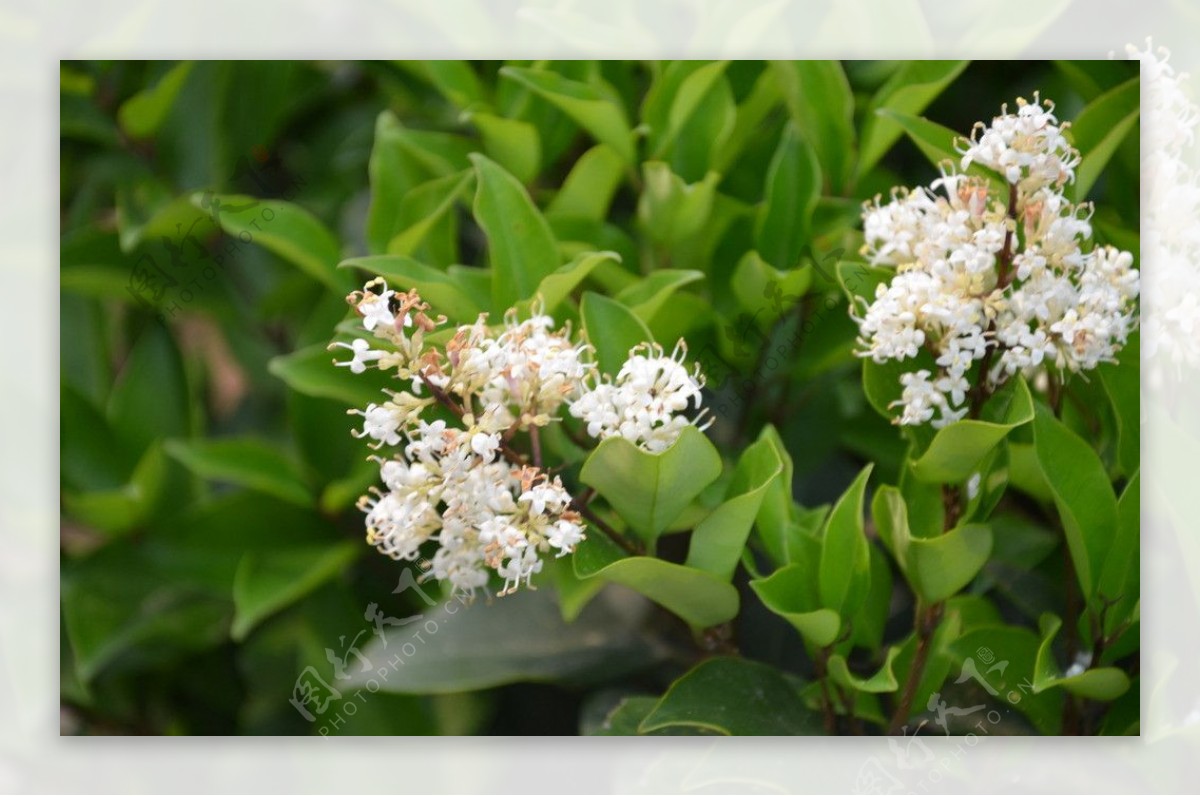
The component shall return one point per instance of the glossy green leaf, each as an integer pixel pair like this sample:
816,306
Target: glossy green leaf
775,513
909,90
936,567
649,490
957,450
1122,385
1100,128
672,100
559,285
143,114
749,119
267,583
882,682
845,570
1104,683
591,108
699,598
793,186
821,103
765,291
521,247
937,143
1120,577
786,593
612,329
247,462
734,696
285,229
1002,663
588,190
1082,493
717,543
445,292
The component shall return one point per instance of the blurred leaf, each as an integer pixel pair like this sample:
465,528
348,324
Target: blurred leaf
733,696
311,371
592,109
845,569
1122,385
909,90
699,598
751,113
957,450
266,583
512,143
520,638
1082,493
1100,128
670,210
247,462
557,287
454,80
143,114
759,287
588,190
92,456
649,490
283,228
123,508
937,143
820,102
793,186
522,249
717,542
647,297
612,329
445,291
425,208
392,173
150,399
672,100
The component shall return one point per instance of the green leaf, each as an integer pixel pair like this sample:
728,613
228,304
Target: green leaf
820,102
1104,683
1082,493
759,287
311,371
845,569
749,120
1100,128
588,189
454,80
612,329
699,598
424,208
733,696
649,490
793,186
790,592
150,399
512,143
775,513
392,173
591,108
909,90
1010,672
444,291
143,114
1120,577
957,450
266,583
882,682
718,541
647,297
557,287
674,99
519,638
247,462
937,567
1122,384
670,210
283,228
522,249
123,508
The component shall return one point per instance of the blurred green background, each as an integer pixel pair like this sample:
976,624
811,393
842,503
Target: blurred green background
211,552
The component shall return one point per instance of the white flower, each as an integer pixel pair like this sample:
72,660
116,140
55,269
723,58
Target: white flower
363,353
646,401
967,284
375,310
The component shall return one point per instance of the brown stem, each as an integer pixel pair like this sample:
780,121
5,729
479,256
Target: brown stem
926,622
535,446
605,528
981,392
821,669
445,400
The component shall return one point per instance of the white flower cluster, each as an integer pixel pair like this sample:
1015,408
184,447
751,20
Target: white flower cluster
1009,280
461,485
1170,236
645,402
